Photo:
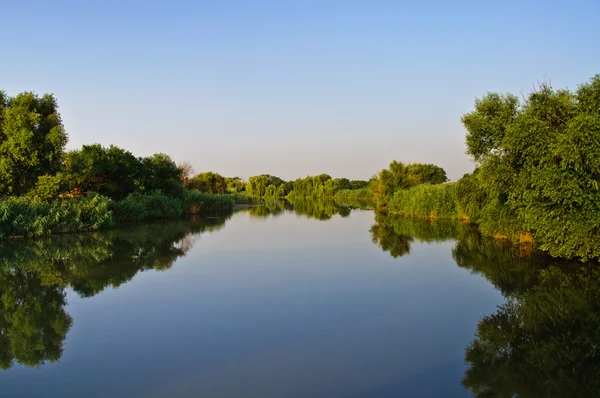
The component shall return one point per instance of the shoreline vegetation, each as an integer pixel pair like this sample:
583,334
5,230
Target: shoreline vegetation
536,179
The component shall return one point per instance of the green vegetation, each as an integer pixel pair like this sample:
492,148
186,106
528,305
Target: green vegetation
22,216
208,182
428,201
400,176
537,176
45,190
32,140
538,167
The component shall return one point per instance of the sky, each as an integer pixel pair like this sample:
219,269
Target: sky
290,88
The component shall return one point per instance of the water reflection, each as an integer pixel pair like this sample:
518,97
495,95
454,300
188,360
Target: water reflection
35,273
394,234
544,342
319,209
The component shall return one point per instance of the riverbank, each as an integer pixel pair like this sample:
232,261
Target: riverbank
22,217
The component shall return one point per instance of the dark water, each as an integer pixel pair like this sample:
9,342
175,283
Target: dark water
271,302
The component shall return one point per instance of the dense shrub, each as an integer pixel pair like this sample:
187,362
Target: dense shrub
155,205
30,217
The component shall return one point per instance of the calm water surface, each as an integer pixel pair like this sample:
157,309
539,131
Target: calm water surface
272,302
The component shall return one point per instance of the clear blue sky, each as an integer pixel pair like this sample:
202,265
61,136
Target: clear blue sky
290,88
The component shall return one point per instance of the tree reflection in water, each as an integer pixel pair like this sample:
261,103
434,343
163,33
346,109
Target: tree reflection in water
35,273
545,341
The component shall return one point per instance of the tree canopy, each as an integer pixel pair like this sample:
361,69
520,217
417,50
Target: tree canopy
32,141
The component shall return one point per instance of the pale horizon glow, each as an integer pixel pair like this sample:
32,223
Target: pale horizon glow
290,88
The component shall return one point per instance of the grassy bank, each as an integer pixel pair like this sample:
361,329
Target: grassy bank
26,217
427,201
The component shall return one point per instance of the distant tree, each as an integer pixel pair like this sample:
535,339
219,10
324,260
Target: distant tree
32,141
427,173
159,172
209,182
259,186
400,176
358,184
342,183
235,184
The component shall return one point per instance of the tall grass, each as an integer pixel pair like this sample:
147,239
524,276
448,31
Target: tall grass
27,217
32,218
156,205
429,201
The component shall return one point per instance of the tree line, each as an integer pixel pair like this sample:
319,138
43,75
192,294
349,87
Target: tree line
537,175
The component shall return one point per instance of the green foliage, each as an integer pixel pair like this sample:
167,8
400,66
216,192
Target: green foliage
159,172
539,168
32,218
360,197
116,173
49,187
427,173
400,176
195,202
235,185
32,141
156,205
320,186
24,216
208,182
433,201
267,186
112,171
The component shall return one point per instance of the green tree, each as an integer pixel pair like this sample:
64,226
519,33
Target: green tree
259,186
112,171
539,167
235,184
32,141
209,182
427,173
159,172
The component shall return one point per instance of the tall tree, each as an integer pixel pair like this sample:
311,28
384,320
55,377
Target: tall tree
32,141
